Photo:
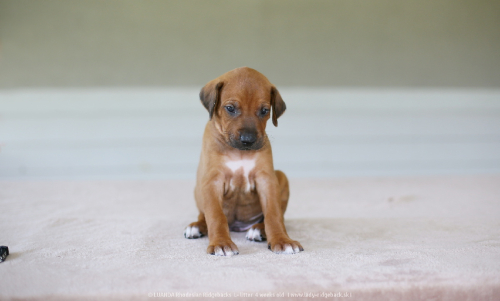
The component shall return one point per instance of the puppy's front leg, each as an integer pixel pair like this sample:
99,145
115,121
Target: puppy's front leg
220,242
270,199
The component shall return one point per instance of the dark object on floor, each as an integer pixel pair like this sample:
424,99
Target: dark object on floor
4,251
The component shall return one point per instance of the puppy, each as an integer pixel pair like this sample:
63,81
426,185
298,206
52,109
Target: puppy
237,188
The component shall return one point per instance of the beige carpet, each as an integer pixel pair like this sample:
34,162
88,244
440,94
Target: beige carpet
434,238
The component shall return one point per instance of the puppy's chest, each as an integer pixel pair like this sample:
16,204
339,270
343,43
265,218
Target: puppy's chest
240,176
240,203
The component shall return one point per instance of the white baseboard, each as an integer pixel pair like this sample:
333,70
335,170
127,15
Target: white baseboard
156,133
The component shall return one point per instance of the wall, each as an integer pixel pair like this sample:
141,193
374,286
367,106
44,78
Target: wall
387,43
108,89
156,133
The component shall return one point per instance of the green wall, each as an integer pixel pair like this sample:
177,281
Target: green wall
386,43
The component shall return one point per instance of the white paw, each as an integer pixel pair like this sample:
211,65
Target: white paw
290,250
224,252
292,247
192,232
254,235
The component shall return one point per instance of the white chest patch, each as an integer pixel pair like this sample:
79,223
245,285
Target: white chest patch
246,165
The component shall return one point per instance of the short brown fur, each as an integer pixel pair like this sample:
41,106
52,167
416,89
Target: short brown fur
224,196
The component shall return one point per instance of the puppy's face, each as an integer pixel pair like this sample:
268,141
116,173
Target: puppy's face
242,116
240,102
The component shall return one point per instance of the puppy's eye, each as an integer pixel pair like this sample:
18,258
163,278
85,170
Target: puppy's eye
264,111
230,109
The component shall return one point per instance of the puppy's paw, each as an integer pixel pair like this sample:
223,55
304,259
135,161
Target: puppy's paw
223,248
196,230
192,232
255,234
285,246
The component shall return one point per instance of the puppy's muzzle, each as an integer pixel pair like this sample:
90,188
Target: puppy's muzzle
248,140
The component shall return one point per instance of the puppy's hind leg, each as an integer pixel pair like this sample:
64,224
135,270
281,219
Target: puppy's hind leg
284,189
257,233
196,229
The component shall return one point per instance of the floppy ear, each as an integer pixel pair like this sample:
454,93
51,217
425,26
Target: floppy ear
210,95
277,104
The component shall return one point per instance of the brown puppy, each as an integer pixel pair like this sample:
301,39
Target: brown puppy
237,187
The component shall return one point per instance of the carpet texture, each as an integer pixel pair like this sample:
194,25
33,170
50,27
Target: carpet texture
434,238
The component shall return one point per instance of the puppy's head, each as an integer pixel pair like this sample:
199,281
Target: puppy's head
240,102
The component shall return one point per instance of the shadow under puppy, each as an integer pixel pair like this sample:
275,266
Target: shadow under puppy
237,188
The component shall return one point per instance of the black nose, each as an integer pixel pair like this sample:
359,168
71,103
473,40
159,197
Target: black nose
248,138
